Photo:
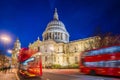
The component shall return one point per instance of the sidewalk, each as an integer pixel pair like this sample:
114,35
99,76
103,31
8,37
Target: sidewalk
63,71
8,75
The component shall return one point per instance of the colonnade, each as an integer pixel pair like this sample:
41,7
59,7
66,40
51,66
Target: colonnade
56,36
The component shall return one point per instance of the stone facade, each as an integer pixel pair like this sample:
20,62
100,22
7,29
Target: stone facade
63,53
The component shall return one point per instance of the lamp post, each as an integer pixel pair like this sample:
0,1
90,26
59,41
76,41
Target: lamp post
5,39
10,52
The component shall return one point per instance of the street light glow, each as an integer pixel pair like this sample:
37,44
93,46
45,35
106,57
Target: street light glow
5,38
9,51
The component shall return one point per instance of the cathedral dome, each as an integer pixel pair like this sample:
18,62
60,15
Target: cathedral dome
56,30
56,25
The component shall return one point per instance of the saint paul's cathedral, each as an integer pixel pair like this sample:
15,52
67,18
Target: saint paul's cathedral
56,48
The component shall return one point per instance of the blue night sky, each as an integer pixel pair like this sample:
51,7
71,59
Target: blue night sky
27,19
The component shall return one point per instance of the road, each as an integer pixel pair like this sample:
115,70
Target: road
7,75
54,76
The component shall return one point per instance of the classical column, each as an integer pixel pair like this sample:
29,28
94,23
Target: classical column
66,37
57,35
47,36
54,36
61,36
50,35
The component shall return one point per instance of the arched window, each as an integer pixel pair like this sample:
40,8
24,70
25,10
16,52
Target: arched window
46,58
38,48
76,59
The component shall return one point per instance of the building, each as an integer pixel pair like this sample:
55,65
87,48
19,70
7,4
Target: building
56,48
15,51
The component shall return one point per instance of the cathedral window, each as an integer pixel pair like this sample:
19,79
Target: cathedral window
75,48
38,48
45,58
76,59
68,59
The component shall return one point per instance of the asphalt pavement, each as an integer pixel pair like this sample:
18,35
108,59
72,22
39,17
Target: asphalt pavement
68,74
8,75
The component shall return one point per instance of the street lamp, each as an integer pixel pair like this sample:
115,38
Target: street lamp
10,52
5,39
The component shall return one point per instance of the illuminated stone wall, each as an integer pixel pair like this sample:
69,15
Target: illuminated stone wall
64,53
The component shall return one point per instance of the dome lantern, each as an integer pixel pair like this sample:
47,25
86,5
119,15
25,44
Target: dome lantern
56,15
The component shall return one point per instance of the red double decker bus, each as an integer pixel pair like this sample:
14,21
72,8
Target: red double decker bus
35,66
102,61
30,63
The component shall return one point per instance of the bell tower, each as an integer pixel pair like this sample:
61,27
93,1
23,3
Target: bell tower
15,52
17,45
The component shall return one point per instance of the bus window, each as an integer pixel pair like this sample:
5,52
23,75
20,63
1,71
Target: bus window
117,64
101,64
107,64
82,61
112,64
118,49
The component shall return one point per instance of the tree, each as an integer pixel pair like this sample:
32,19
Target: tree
109,39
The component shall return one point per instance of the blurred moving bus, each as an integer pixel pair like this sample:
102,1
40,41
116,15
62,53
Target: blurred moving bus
30,63
102,61
35,67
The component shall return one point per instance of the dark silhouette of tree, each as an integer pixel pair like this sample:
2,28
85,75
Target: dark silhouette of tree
109,39
106,39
